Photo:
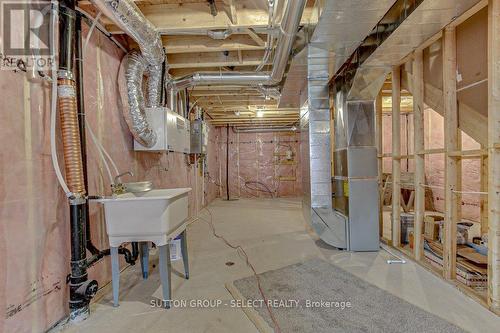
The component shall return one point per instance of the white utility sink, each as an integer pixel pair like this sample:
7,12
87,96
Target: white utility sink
150,216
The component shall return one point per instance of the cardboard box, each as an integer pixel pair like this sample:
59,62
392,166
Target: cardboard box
431,226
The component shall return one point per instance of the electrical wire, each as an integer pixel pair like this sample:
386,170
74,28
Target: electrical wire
101,154
91,30
100,148
102,29
210,179
242,253
265,190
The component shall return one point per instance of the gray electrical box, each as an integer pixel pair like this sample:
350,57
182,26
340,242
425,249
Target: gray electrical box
199,137
172,131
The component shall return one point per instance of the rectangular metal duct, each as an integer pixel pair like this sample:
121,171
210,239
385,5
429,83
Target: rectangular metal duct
424,22
342,26
315,152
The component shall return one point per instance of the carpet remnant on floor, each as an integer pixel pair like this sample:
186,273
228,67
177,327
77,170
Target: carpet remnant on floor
331,299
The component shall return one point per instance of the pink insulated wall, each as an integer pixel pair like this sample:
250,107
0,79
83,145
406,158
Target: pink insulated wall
34,222
434,164
258,165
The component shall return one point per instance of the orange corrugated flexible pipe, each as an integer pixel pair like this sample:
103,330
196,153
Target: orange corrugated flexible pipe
70,135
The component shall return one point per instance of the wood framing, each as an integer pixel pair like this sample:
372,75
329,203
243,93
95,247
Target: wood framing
418,116
396,152
451,144
483,201
192,44
215,59
380,134
494,155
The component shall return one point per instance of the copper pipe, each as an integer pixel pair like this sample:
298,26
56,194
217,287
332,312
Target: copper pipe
70,136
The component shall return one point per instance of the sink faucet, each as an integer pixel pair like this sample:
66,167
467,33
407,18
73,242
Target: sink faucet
117,186
118,179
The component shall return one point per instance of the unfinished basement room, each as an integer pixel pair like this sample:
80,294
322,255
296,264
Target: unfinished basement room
253,166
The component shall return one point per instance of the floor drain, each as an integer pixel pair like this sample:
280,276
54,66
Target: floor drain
229,263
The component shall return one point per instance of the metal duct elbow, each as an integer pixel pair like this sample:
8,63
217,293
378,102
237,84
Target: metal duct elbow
133,68
289,26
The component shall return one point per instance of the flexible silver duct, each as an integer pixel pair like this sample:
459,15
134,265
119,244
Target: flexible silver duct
130,19
153,85
289,26
133,67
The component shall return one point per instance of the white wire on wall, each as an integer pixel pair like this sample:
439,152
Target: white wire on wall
100,148
102,151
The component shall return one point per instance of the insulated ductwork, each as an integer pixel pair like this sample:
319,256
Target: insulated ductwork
133,68
135,65
130,19
289,27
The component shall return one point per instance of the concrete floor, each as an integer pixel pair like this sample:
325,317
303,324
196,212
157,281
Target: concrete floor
274,235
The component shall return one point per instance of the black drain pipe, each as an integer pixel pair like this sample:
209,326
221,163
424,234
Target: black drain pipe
81,122
130,257
81,289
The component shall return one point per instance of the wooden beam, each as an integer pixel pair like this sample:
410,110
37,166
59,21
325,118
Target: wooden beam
211,93
256,38
235,98
418,132
396,152
231,11
192,44
451,144
471,121
173,19
215,59
380,135
483,200
179,72
494,155
228,103
477,153
469,13
240,57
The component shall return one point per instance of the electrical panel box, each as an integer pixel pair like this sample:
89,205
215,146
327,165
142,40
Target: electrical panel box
172,131
199,137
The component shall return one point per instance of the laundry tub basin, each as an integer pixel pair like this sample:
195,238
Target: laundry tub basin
150,216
